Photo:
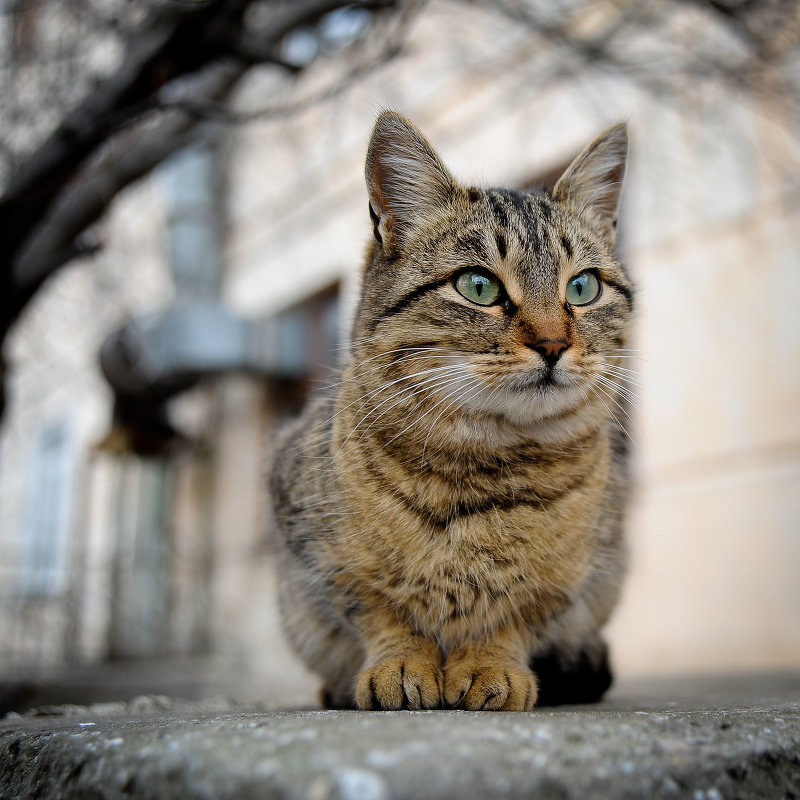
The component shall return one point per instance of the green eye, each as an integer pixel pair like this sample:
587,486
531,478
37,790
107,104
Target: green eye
582,289
478,286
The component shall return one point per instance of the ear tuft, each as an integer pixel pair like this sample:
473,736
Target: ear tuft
406,179
593,182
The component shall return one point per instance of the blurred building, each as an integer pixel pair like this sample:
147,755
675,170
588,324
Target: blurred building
105,554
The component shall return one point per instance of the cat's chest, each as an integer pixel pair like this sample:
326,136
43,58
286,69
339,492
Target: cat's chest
475,571
466,551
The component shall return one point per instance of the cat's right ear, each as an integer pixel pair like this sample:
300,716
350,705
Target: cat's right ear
592,183
406,179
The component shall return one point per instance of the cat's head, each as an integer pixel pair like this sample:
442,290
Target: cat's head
495,302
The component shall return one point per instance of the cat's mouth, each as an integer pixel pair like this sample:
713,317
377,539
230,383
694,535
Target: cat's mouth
541,380
548,390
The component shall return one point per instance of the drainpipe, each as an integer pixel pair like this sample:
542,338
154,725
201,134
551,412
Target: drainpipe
156,356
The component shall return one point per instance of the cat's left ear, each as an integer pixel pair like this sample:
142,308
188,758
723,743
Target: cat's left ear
406,180
593,182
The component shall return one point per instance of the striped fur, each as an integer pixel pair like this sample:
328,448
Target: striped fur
451,514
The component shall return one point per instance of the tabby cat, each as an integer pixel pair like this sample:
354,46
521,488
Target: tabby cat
450,516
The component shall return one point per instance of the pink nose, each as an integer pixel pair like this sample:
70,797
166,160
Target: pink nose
550,348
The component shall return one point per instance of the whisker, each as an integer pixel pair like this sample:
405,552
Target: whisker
477,384
359,373
595,390
384,386
420,390
621,390
456,382
619,394
615,401
426,385
626,381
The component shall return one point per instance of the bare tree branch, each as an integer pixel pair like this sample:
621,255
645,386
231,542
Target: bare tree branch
391,49
133,156
63,188
169,44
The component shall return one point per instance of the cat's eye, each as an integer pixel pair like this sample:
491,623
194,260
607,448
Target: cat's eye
583,288
478,286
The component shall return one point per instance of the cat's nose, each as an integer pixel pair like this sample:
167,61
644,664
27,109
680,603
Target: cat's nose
550,349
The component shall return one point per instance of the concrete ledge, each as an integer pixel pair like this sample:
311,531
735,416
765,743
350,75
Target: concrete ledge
699,740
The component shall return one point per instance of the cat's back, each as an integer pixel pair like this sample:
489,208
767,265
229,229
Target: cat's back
302,477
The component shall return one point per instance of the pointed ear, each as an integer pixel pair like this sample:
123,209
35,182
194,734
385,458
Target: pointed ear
406,179
592,183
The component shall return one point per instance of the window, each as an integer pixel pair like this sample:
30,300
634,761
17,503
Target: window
45,551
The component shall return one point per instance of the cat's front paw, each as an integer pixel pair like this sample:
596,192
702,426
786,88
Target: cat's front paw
411,681
489,685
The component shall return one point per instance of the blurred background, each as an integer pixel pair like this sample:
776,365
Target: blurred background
183,217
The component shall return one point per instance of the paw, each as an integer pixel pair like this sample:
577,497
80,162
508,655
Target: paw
409,681
489,685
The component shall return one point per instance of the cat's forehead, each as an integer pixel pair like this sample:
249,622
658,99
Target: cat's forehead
507,217
529,239
511,207
529,215
522,232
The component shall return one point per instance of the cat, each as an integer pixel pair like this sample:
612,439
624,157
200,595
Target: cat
450,515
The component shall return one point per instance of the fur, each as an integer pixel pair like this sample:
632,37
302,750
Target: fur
451,514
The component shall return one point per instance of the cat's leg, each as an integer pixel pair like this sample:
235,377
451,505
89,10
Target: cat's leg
490,675
337,659
573,675
335,654
403,667
326,645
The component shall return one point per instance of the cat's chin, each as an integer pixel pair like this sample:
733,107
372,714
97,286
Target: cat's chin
540,382
537,401
545,393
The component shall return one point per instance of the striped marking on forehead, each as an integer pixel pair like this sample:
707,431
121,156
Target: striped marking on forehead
473,242
525,214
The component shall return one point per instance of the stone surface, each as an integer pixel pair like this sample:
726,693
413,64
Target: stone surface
704,740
